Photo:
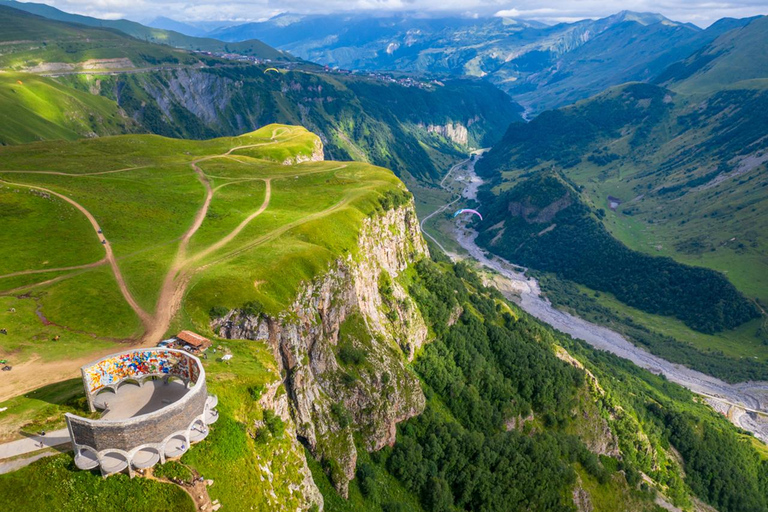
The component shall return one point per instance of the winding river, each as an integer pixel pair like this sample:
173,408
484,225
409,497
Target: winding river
745,404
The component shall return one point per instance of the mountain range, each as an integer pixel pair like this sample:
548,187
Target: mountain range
540,66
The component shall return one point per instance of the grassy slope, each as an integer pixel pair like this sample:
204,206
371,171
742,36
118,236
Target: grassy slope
37,108
736,56
619,145
56,484
230,456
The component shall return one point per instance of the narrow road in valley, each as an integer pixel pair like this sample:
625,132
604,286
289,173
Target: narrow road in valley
445,206
746,404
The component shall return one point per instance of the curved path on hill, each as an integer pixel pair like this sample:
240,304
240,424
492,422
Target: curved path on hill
77,175
745,404
110,256
59,269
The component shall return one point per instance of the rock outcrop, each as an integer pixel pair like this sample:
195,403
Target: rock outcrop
275,399
343,345
317,155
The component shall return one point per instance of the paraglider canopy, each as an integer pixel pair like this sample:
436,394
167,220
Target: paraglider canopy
271,69
467,210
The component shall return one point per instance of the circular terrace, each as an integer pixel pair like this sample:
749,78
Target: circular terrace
154,404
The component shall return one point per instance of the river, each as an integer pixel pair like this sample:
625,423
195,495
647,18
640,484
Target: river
745,404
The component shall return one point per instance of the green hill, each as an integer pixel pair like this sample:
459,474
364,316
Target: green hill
252,47
144,192
36,108
412,130
415,128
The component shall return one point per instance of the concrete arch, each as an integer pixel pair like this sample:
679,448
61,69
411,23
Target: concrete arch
145,457
86,458
103,397
198,430
176,445
211,416
172,378
129,382
113,461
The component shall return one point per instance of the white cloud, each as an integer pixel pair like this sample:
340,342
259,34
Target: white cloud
700,12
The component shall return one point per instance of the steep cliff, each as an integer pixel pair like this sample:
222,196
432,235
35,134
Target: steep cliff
343,345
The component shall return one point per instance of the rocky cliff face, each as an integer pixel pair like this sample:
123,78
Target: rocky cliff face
344,344
455,132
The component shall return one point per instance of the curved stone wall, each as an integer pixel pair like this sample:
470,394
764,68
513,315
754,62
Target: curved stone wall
102,442
150,428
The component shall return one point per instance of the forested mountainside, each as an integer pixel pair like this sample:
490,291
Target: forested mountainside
541,66
673,172
414,129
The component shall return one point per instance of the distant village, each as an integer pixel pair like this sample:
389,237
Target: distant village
289,66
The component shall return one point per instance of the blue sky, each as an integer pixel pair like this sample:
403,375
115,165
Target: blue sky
700,12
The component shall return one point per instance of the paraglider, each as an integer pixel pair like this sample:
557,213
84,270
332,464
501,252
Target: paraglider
271,69
467,210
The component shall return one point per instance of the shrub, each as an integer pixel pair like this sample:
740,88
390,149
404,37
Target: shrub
366,480
274,424
341,414
173,470
217,312
349,354
252,308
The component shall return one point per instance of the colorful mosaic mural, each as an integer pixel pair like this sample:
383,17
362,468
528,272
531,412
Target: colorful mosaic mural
139,364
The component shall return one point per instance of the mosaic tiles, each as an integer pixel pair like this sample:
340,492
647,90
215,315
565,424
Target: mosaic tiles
139,364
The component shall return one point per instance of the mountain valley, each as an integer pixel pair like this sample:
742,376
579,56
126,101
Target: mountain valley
299,192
